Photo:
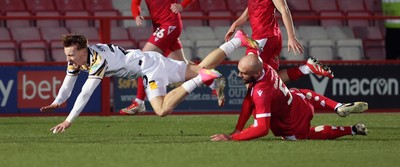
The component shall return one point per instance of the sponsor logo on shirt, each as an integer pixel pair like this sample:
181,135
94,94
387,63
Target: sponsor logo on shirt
259,92
153,85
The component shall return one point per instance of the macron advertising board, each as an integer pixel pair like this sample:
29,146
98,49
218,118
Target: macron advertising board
24,90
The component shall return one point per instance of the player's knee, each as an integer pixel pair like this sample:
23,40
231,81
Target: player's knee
163,112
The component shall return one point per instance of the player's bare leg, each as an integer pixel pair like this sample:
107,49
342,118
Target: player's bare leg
216,57
137,106
163,105
178,55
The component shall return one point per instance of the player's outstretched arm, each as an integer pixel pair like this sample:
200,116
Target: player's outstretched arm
63,94
87,90
293,43
241,20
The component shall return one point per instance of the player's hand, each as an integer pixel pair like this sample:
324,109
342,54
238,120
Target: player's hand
229,33
139,20
221,137
61,127
295,46
49,108
175,7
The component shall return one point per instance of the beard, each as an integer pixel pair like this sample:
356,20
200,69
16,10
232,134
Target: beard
249,80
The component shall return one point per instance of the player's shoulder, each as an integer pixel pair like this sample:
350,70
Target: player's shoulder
268,78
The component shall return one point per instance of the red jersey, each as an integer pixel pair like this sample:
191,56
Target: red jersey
160,11
275,107
262,19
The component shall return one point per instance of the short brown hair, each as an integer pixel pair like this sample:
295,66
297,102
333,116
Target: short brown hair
75,39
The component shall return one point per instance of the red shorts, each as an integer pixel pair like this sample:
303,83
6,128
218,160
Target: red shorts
166,38
271,51
299,123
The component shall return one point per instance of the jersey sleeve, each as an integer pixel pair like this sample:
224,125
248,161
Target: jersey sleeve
66,89
82,99
255,131
72,70
98,66
135,8
245,113
262,114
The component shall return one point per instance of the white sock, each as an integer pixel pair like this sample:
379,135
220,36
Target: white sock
352,132
304,69
192,84
231,46
338,105
213,85
139,101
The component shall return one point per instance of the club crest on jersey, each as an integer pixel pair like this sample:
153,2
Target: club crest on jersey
153,85
170,29
259,92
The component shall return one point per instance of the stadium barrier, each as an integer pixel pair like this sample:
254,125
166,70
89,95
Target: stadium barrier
25,87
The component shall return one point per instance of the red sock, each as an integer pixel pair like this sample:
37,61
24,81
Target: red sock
294,73
325,132
319,102
141,94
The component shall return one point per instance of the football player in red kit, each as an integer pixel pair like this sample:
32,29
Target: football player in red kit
265,30
287,112
167,27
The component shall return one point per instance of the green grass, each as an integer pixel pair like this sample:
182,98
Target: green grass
184,141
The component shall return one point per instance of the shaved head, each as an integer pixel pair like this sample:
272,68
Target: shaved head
251,63
250,68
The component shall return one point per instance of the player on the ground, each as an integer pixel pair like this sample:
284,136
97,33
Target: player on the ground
106,60
167,27
288,113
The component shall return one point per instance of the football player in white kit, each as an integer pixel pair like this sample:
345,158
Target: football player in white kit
106,60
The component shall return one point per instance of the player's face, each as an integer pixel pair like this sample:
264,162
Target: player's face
247,76
75,56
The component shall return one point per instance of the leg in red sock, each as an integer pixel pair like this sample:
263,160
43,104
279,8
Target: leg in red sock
141,94
319,102
325,132
294,73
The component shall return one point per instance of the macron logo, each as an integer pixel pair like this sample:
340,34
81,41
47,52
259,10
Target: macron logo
319,84
259,92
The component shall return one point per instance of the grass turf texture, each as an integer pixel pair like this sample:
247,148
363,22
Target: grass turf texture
184,141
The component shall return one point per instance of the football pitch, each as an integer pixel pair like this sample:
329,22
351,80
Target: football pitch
183,140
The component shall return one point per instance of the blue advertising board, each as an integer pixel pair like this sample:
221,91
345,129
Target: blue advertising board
23,90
